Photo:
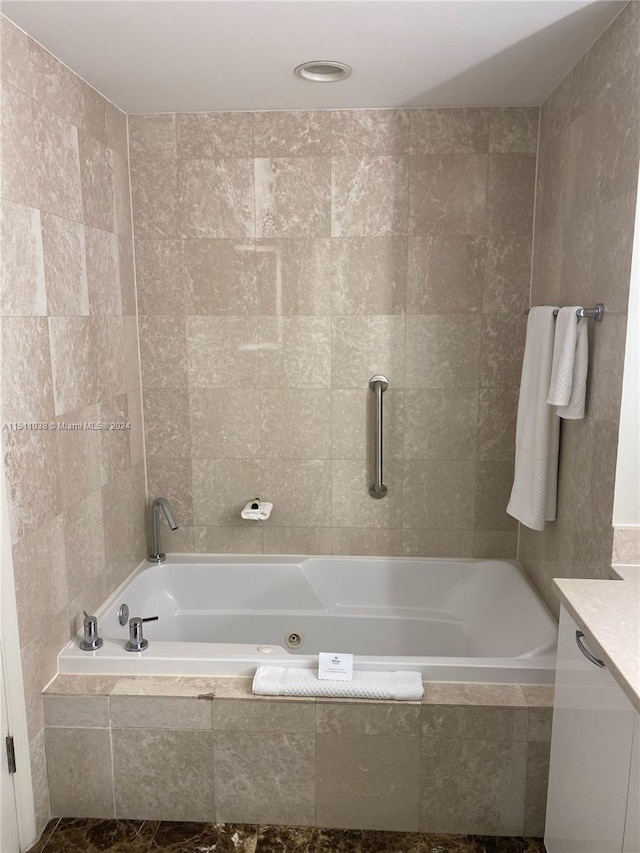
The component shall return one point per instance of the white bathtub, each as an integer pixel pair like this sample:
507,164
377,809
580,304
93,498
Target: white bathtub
454,620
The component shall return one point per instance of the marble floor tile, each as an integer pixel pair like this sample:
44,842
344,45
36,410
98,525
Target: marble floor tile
100,836
69,835
413,842
494,844
173,837
303,839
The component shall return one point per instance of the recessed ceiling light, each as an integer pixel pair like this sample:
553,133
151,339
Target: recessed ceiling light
323,71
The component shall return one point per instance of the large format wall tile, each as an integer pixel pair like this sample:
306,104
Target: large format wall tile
446,274
441,424
369,131
202,135
154,194
369,275
96,171
294,276
153,137
507,273
103,272
280,767
223,352
448,194
84,543
369,196
225,423
442,351
300,491
216,198
163,774
65,266
69,256
367,178
221,487
19,170
510,187
295,424
587,166
40,578
159,277
448,506
22,262
219,277
292,197
295,352
352,505
368,782
80,753
59,189
487,799
27,388
365,346
352,415
513,130
450,131
292,133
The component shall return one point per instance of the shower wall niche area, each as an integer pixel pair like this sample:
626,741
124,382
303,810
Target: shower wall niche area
282,259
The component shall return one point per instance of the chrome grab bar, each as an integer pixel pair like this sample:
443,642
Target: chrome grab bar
378,385
585,651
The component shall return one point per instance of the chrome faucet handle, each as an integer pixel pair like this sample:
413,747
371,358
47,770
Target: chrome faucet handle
91,641
136,642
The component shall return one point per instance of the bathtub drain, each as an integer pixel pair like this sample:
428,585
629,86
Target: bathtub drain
294,640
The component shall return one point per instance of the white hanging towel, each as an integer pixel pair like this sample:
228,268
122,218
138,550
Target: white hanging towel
535,482
568,386
295,681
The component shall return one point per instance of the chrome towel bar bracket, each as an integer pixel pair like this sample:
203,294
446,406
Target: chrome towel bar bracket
596,313
378,385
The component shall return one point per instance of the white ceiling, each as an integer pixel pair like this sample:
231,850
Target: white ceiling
178,55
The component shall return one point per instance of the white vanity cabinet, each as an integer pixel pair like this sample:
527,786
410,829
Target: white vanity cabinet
632,824
591,748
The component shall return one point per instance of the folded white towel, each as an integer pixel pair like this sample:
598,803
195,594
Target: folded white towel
257,510
568,385
295,681
535,482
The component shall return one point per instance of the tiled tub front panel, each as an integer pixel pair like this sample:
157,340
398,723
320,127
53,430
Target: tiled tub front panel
468,759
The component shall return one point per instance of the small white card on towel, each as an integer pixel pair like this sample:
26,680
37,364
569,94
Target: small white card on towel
335,666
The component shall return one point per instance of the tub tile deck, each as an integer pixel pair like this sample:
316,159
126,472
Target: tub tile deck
128,836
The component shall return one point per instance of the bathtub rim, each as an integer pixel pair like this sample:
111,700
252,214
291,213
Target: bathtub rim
173,658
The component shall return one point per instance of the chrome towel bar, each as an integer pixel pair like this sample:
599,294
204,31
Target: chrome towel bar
378,385
596,313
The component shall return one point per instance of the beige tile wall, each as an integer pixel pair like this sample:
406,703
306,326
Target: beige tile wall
283,258
69,354
587,177
468,759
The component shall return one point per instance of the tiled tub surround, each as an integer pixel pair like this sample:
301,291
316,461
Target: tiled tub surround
584,222
468,759
282,259
69,354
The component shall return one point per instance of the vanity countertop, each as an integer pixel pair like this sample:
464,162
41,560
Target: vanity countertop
609,613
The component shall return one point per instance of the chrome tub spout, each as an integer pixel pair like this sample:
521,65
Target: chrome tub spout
156,555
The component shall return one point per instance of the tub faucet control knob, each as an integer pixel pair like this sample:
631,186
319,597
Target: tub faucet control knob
90,641
137,642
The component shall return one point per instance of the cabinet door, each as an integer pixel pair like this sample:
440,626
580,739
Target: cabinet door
632,824
590,753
